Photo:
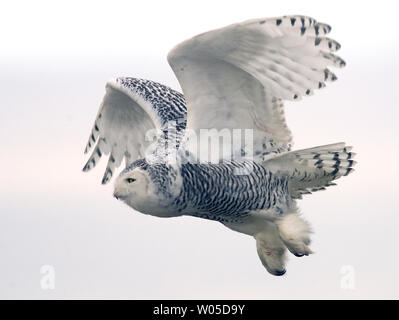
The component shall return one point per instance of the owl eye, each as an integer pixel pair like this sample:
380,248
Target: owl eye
130,180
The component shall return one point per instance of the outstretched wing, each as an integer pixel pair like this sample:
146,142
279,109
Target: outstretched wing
130,108
313,169
238,76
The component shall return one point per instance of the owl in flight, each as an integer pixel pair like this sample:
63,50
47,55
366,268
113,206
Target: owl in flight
222,151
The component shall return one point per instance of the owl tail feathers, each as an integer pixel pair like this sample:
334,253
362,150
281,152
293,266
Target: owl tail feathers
313,169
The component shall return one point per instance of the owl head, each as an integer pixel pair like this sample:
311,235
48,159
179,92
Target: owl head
134,184
137,189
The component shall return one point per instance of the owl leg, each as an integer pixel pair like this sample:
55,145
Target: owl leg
295,233
270,247
271,250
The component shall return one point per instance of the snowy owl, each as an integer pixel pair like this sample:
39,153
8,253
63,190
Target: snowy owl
222,151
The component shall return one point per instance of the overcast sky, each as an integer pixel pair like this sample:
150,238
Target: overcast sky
55,58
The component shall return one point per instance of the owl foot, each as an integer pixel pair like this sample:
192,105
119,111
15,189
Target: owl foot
271,250
295,233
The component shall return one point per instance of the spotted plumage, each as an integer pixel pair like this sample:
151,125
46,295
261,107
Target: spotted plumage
162,103
223,151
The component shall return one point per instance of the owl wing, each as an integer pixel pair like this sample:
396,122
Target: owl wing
239,76
130,109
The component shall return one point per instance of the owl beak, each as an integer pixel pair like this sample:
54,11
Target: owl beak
116,195
119,195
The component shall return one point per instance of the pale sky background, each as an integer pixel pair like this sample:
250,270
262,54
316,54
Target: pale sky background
55,58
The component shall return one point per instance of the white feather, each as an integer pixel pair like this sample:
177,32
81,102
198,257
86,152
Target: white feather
120,127
232,74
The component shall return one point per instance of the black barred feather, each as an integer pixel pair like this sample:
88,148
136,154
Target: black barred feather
313,169
130,108
217,192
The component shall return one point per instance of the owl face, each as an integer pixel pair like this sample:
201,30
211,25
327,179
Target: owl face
136,189
133,185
